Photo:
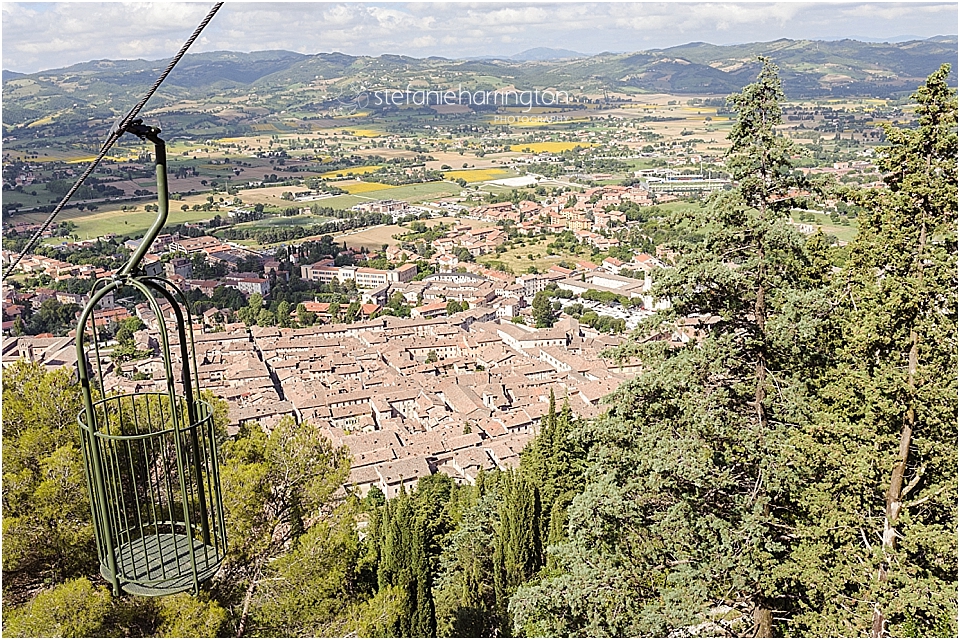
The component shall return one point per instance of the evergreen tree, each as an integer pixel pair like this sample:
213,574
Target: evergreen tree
464,593
403,565
453,306
880,507
410,533
283,314
554,462
316,588
517,553
74,609
274,487
688,500
543,313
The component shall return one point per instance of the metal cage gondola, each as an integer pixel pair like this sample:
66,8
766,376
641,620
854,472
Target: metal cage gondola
150,458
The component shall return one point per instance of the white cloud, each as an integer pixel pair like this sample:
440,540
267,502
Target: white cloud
41,36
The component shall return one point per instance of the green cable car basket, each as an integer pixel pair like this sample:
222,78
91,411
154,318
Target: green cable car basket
150,458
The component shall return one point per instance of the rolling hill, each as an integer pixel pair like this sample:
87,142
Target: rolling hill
810,69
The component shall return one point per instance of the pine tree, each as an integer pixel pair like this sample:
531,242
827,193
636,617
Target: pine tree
47,531
272,485
686,511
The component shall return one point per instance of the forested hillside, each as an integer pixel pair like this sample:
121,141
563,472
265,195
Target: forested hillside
793,471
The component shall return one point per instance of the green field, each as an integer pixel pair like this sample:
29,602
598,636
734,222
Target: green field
519,261
345,201
846,234
123,223
281,221
27,199
135,223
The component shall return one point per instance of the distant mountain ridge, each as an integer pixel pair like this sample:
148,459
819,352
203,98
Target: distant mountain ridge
809,69
546,53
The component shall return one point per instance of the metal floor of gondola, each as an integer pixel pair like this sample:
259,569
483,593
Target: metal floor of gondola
145,564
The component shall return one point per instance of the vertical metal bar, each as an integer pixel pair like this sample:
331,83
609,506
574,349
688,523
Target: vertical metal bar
157,460
121,502
178,294
133,475
215,471
207,453
181,458
85,455
184,498
83,375
113,505
188,476
149,469
96,346
169,488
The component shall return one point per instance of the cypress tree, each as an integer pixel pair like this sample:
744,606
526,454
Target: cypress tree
517,550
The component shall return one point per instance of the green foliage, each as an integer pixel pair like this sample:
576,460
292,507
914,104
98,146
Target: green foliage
283,314
52,317
352,312
880,512
127,327
46,516
74,609
186,616
609,296
408,542
464,593
600,322
128,351
308,591
517,551
272,483
77,608
543,313
687,492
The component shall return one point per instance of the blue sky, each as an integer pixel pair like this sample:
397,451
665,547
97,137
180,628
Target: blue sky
39,36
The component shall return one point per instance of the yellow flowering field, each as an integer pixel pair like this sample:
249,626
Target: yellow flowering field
353,186
476,175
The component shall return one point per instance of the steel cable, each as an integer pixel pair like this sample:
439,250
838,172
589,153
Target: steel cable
115,135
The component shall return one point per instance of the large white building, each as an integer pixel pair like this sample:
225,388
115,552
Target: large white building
364,277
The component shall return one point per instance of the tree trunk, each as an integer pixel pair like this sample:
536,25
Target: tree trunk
763,622
762,615
247,598
894,497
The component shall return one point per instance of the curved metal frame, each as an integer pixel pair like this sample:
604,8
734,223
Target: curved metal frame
190,428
